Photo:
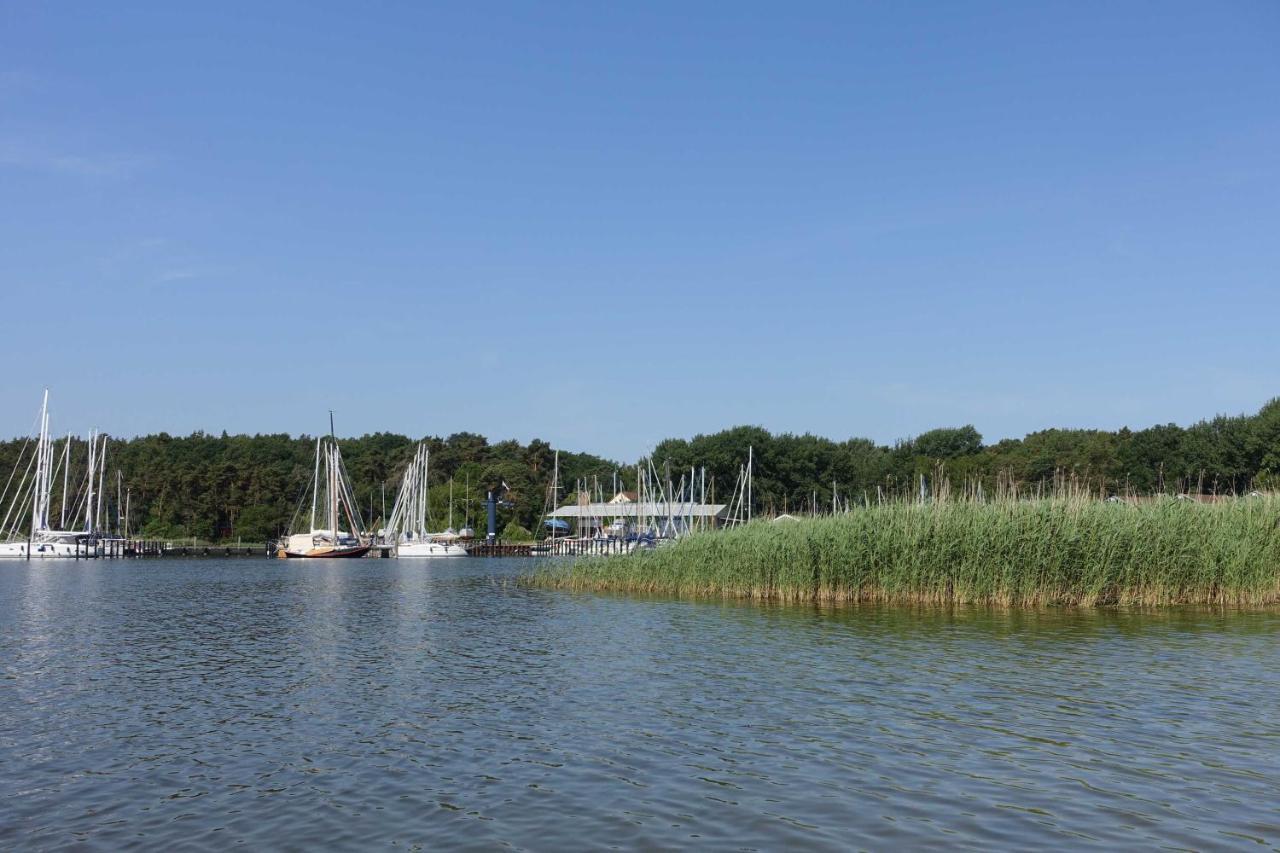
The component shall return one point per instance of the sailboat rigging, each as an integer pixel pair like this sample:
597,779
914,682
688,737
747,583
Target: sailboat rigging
339,507
35,488
410,517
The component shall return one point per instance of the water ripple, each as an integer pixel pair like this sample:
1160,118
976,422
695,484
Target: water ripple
354,704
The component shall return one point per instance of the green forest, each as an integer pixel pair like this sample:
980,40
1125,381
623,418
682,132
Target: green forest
240,487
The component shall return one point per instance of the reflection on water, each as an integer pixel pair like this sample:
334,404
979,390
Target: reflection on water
362,703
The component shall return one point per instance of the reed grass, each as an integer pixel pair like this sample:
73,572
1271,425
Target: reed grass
1064,551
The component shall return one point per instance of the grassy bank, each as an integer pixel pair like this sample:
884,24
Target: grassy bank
1055,551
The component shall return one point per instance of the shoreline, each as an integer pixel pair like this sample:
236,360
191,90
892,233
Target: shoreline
1048,552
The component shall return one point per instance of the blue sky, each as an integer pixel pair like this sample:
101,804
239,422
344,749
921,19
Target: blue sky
606,224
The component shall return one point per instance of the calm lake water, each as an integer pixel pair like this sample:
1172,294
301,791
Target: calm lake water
379,703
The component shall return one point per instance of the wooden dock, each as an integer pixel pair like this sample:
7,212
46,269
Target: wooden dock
89,548
552,548
497,549
95,549
209,551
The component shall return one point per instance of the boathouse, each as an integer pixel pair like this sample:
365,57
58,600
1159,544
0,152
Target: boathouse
667,518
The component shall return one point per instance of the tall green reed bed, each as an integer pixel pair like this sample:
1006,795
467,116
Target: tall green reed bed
1014,552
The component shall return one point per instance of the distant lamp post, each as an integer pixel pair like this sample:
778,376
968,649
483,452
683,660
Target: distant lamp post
491,503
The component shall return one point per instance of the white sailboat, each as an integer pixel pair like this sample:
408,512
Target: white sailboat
329,541
409,517
35,488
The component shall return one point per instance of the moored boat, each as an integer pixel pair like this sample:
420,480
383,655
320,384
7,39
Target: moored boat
329,541
410,516
430,548
321,543
35,487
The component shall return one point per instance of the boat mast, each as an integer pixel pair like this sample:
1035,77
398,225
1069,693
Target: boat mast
102,469
48,475
423,488
639,500
333,481
315,485
555,490
407,499
93,466
702,522
450,504
410,489
66,473
693,479
332,469
40,488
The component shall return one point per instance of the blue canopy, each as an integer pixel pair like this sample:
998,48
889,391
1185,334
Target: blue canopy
556,524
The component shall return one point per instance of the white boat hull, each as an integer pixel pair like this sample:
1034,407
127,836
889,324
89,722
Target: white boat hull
42,551
430,549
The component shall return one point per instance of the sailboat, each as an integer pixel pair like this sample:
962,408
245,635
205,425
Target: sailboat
466,532
35,485
408,522
554,525
331,540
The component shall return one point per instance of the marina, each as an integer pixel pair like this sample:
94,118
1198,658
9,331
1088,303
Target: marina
407,529
557,427
44,468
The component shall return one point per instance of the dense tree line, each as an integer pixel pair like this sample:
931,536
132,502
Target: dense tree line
253,488
250,487
791,472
